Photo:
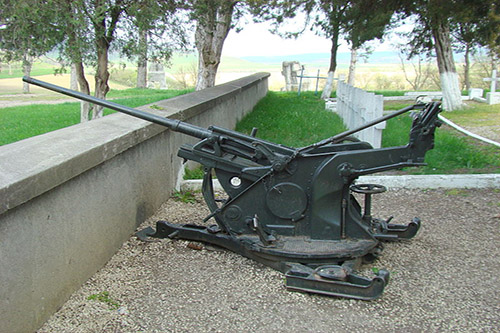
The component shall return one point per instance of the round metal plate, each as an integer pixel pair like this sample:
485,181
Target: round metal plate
287,200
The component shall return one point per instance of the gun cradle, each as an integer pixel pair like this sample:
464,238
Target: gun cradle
294,209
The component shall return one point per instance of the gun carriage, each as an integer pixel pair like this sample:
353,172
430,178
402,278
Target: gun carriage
294,209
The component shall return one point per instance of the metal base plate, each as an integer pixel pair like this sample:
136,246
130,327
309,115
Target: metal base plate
304,279
308,265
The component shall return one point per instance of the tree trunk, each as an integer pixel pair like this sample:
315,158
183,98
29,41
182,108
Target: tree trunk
84,88
327,91
211,32
352,66
467,67
104,29
73,80
142,63
77,60
27,64
101,78
102,73
452,96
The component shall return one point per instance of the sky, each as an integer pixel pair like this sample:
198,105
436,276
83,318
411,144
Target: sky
256,40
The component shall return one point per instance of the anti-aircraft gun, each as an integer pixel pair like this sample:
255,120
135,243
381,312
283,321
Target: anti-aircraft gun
294,209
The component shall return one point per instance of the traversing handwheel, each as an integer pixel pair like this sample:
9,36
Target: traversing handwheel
368,190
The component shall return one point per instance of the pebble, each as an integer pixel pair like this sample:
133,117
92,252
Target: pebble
445,279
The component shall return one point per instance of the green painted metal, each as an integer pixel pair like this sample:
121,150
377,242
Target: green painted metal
293,209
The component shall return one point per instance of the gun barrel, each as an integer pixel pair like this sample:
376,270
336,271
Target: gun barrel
175,125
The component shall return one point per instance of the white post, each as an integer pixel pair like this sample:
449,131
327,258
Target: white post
493,79
493,97
357,107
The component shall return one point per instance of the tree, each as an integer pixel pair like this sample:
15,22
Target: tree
90,27
331,26
33,28
422,70
440,24
452,96
153,32
104,15
432,32
323,17
77,47
487,12
466,34
365,21
83,30
214,19
142,61
27,32
478,24
357,20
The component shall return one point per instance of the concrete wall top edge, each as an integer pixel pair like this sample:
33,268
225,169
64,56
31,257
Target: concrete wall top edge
200,101
35,165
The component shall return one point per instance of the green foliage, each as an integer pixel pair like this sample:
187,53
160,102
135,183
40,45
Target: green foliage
27,29
104,298
477,20
196,173
21,122
147,23
185,197
284,117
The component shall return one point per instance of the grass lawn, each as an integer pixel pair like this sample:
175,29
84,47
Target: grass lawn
298,121
39,68
288,119
453,151
475,115
17,123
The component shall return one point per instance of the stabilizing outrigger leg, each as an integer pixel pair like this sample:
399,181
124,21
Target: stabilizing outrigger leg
326,279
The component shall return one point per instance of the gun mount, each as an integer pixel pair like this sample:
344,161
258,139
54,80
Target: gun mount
294,209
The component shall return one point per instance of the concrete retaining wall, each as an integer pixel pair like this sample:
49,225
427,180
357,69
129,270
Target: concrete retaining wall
70,198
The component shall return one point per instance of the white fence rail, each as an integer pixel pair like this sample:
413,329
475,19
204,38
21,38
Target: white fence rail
357,107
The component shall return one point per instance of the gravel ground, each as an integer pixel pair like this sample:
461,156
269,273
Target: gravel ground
445,279
491,132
